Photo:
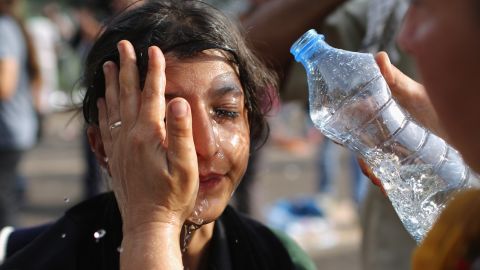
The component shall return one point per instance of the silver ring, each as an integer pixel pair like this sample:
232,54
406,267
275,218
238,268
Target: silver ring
115,125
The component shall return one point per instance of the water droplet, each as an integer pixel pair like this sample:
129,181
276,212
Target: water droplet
120,249
66,199
99,234
236,241
187,235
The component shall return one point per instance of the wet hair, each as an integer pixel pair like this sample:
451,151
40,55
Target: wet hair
183,29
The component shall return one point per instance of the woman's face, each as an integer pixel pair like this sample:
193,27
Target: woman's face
220,125
443,36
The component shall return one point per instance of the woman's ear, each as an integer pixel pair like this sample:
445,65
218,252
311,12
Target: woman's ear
96,145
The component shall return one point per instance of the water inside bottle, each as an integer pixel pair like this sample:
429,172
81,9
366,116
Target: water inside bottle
404,156
415,190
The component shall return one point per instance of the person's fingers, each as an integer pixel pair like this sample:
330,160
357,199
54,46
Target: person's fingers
110,72
367,171
103,123
152,109
129,84
384,64
181,148
411,95
400,84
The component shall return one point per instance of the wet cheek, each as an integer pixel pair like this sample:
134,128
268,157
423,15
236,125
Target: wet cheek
235,143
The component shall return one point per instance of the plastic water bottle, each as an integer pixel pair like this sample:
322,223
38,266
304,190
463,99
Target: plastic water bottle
350,103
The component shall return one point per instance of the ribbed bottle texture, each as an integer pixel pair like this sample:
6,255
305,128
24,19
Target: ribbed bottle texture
351,103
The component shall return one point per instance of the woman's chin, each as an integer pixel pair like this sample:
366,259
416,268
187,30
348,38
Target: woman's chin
207,210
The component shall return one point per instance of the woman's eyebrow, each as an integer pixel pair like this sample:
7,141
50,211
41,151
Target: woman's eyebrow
226,84
229,89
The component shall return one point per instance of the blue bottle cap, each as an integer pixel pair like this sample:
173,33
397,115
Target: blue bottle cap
304,43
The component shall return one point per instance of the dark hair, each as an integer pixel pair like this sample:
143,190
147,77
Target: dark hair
183,29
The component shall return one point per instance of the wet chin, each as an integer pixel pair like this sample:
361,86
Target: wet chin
208,209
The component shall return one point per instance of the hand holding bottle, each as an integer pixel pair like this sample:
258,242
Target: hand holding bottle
351,102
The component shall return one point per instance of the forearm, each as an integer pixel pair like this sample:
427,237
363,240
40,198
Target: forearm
151,248
8,77
274,26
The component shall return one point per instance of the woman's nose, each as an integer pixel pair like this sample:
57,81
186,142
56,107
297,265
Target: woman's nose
205,134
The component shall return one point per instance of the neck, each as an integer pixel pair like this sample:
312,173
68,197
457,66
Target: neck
196,253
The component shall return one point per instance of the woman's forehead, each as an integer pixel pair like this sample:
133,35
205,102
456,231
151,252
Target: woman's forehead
207,64
202,72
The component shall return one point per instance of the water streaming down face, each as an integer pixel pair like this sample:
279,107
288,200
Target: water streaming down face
211,86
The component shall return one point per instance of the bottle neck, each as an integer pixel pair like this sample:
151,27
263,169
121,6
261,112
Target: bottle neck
309,43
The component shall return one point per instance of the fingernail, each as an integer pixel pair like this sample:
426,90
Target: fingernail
106,66
179,108
151,52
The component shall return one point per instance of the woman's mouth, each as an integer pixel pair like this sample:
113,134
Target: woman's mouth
210,181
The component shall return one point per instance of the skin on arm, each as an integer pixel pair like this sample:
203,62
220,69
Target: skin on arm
8,77
275,25
153,165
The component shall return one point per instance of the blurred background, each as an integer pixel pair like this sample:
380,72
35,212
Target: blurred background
299,182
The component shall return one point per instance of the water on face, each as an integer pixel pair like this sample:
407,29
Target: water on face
195,221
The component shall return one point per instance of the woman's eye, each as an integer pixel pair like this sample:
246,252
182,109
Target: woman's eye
223,113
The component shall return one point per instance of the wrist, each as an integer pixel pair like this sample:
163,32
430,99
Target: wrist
151,228
151,246
148,218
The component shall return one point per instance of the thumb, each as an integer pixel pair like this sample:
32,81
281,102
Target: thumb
402,86
386,68
181,148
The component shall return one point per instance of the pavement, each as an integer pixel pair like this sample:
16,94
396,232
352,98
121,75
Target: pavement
55,166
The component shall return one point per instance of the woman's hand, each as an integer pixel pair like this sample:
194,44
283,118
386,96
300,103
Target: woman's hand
151,158
152,162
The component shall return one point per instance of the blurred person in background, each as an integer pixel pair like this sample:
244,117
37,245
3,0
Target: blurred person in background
91,16
46,40
19,82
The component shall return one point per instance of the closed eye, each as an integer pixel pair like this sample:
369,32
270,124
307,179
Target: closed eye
226,114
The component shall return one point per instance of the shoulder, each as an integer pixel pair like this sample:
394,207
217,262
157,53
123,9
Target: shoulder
7,25
299,257
11,37
69,241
